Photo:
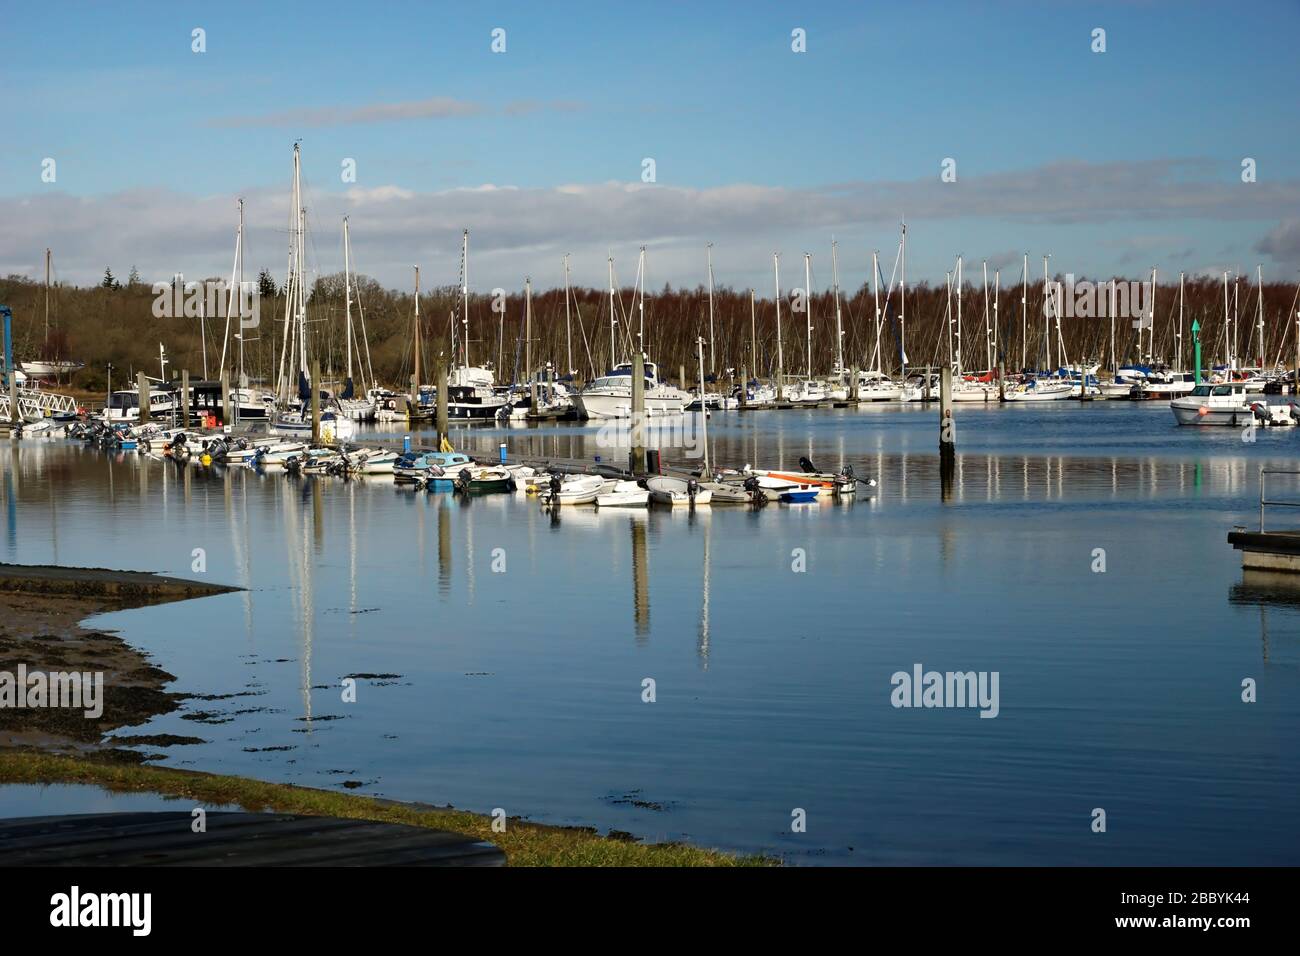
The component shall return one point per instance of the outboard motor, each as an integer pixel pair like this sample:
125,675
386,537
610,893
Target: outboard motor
556,484
463,479
692,489
806,465
1261,413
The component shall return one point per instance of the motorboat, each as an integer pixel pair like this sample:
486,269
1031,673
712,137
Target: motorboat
737,492
665,490
124,406
571,490
334,425
610,395
425,464
831,485
625,494
483,479
1224,403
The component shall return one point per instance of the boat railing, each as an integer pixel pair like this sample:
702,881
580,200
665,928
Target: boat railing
1263,497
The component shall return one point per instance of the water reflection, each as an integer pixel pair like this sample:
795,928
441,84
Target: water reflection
520,688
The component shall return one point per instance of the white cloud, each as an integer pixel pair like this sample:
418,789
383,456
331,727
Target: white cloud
516,230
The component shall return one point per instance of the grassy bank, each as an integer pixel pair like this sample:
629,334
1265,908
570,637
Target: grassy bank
525,844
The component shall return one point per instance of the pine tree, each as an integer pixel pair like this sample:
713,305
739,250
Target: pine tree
109,282
133,279
266,285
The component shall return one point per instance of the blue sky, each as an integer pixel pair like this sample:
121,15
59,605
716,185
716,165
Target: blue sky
153,142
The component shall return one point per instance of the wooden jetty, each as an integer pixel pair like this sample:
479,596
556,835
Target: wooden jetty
232,839
1269,550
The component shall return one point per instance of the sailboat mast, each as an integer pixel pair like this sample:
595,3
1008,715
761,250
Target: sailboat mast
464,295
1114,359
839,322
1178,339
203,332
568,328
780,353
613,321
1236,318
997,290
640,330
988,326
947,309
807,305
1024,315
960,283
239,254
528,330
347,293
301,263
1151,319
415,386
1259,309
711,366
1226,348
47,303
1047,317
875,295
902,314
753,336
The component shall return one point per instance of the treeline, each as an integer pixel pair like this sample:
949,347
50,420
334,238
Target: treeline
115,324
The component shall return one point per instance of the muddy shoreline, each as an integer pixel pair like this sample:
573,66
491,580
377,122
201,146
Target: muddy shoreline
41,613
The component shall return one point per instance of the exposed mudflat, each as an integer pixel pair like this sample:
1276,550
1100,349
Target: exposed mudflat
41,610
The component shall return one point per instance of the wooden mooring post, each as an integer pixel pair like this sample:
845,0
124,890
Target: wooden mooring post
637,464
440,380
225,397
185,398
947,434
315,399
142,390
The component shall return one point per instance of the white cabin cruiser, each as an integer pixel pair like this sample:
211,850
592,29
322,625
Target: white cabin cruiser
1226,404
610,396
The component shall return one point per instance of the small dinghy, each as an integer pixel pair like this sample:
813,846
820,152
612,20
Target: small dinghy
678,491
416,464
747,492
800,496
572,490
831,485
625,494
480,480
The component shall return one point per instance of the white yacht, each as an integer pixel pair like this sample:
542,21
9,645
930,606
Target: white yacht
1211,404
124,406
610,396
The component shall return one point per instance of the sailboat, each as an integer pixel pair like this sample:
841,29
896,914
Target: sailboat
610,395
50,362
873,384
470,393
964,388
357,409
297,422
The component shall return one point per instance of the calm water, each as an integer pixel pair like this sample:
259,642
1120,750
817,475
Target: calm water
522,688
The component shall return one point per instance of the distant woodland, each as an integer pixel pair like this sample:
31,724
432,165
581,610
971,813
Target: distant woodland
114,323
